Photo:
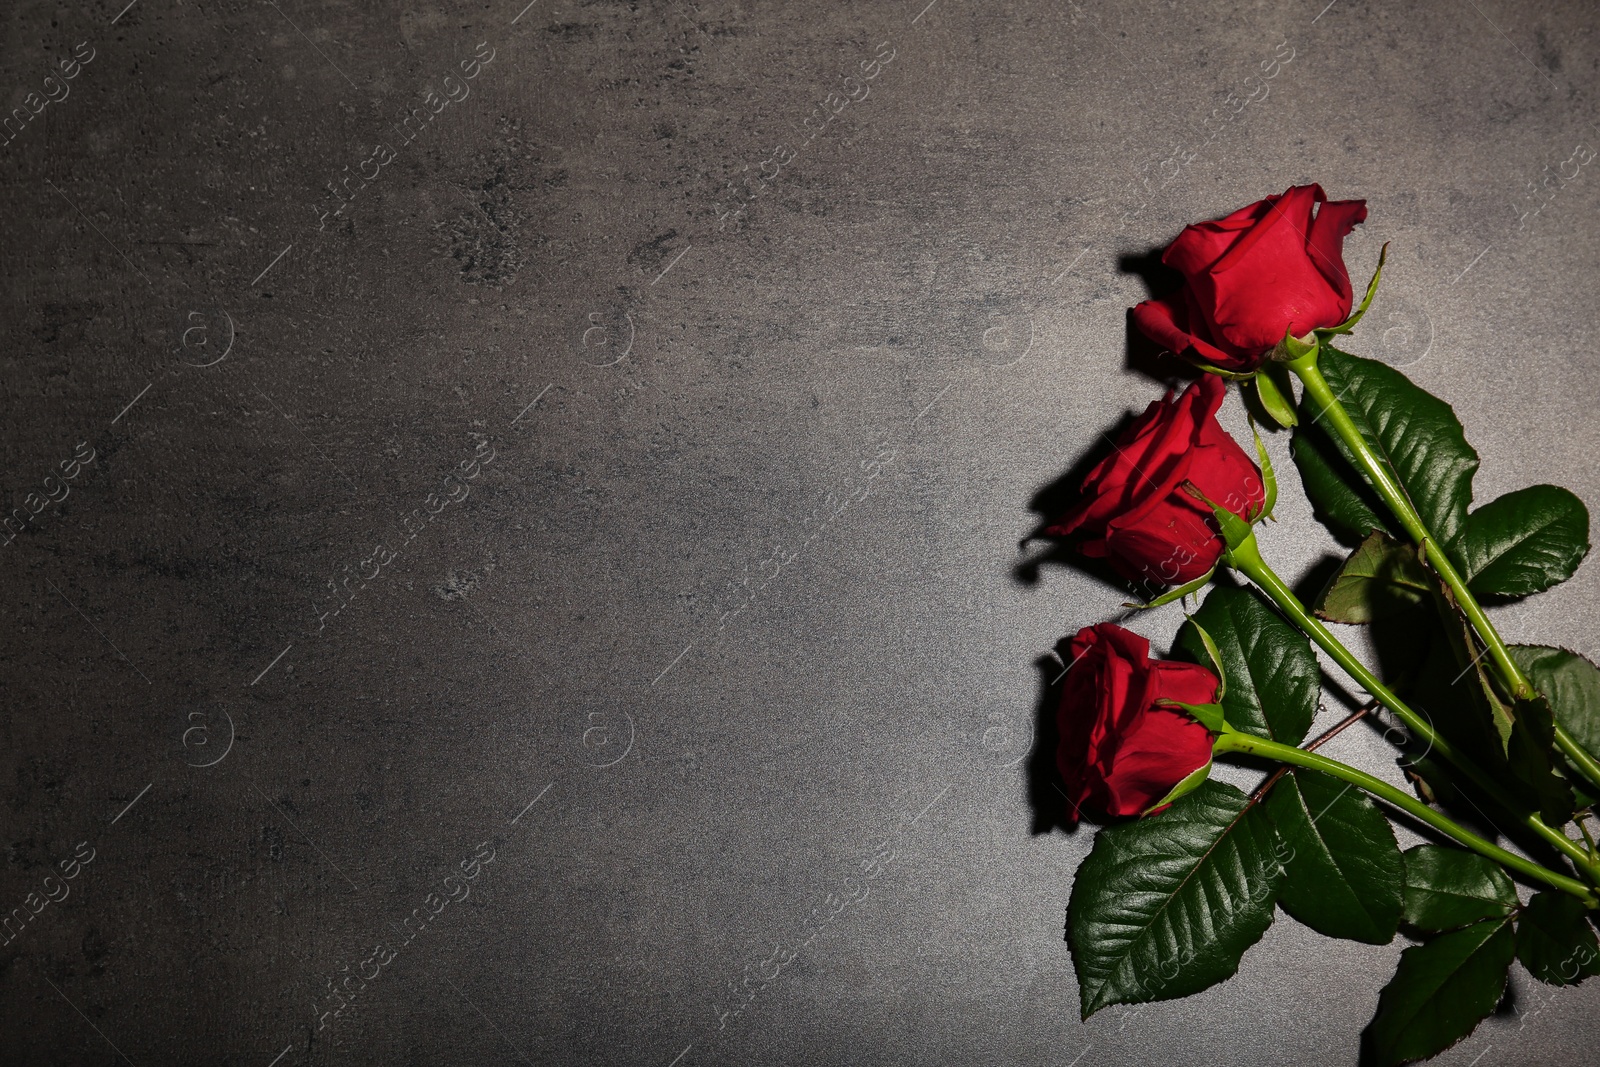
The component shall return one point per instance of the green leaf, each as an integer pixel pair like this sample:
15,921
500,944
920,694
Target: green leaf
1513,741
1554,940
1344,870
1446,888
1431,779
1524,542
1165,907
1415,433
1344,503
1273,679
1441,991
1382,578
1477,716
1531,755
1572,685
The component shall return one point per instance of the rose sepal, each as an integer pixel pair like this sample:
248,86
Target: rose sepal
1275,394
1210,716
1215,655
1366,301
1175,594
1230,375
1234,530
1293,348
1190,783
1269,480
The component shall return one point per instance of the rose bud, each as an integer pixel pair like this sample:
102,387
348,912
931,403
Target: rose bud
1272,268
1136,512
1120,752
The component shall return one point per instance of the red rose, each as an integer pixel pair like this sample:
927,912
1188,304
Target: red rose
1275,266
1135,512
1119,752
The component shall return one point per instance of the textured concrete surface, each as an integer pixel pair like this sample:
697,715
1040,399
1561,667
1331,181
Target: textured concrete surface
694,714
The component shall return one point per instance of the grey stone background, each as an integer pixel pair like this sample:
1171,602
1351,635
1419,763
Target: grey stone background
721,644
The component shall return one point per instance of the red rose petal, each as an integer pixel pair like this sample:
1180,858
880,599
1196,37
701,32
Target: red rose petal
1333,224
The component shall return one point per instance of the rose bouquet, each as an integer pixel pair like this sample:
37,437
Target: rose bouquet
1188,872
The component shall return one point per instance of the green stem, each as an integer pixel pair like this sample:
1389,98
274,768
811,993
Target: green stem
1389,488
1260,746
1246,558
1578,755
